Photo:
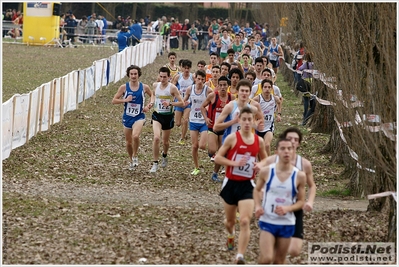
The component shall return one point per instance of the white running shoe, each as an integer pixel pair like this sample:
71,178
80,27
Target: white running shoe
164,162
131,166
154,168
135,161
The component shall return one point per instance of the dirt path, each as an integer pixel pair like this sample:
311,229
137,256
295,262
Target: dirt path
136,194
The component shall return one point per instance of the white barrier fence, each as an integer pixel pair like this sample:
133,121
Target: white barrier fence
26,115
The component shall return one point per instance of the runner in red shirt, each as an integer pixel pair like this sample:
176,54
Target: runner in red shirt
239,153
215,103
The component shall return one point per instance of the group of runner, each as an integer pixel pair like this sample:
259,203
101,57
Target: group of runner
234,118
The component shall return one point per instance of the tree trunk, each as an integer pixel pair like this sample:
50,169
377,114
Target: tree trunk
110,7
392,227
322,119
134,11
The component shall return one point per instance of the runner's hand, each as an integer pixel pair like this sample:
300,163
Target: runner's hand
259,212
129,98
308,207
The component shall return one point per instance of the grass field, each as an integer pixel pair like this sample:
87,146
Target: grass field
68,197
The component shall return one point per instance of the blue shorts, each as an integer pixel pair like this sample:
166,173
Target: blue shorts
128,121
200,127
182,109
284,231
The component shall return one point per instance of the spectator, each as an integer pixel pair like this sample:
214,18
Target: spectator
100,26
199,35
175,28
119,23
184,34
123,36
8,19
104,31
309,101
71,24
62,27
81,29
137,32
16,32
91,29
205,34
147,20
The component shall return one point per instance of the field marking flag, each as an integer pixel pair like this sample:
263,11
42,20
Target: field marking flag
71,91
45,106
81,87
57,100
89,82
112,67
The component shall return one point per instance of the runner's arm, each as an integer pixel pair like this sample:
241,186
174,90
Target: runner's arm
257,193
208,101
220,125
175,92
312,185
148,91
117,97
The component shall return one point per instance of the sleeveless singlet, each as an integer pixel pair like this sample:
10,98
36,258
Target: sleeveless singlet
163,96
239,151
196,103
268,109
279,193
134,107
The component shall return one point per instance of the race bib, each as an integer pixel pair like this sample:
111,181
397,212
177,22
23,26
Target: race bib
273,57
268,117
197,115
133,109
161,108
246,170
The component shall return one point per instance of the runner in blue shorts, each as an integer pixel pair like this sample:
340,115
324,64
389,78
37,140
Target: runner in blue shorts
132,96
284,193
196,96
183,81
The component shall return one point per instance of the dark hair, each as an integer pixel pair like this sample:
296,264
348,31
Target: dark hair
291,130
172,54
246,109
266,81
236,70
230,50
244,82
202,62
165,69
258,60
281,139
213,54
267,59
216,67
225,64
181,61
186,63
267,70
200,73
250,72
223,78
133,67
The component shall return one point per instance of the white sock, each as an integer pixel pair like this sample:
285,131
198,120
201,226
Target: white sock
239,256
